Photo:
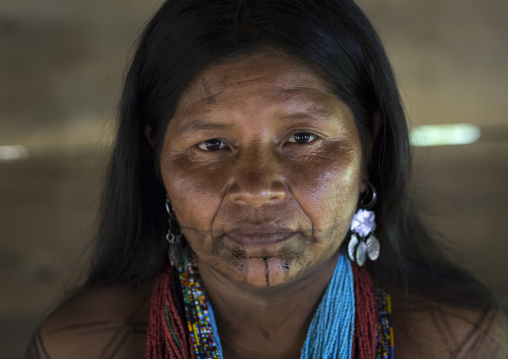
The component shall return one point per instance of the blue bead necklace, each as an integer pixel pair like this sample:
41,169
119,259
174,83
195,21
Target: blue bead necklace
330,333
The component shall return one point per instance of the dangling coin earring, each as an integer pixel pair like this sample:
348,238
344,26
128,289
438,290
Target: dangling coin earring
175,240
363,243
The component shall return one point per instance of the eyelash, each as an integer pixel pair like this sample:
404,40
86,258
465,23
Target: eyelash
206,145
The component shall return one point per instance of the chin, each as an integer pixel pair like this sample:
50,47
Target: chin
268,272
273,266
266,267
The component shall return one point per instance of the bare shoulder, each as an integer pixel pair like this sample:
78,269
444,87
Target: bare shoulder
108,322
429,329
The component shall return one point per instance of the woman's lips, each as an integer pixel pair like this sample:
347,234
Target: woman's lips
259,236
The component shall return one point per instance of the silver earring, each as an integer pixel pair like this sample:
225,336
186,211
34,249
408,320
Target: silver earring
175,240
363,243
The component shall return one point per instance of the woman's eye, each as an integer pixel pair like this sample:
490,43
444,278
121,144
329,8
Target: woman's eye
212,145
302,137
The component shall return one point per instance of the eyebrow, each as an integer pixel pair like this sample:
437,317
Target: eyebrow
203,125
311,111
200,125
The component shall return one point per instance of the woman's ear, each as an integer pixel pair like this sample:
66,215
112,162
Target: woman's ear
148,135
364,179
377,121
369,145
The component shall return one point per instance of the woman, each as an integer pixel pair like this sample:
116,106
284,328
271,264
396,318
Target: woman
270,135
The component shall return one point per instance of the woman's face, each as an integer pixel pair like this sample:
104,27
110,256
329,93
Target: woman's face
263,166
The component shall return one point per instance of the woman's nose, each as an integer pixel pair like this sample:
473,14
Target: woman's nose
257,181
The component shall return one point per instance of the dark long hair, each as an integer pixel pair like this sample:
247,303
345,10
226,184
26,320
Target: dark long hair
338,42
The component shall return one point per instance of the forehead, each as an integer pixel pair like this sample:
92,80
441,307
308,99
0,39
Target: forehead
267,68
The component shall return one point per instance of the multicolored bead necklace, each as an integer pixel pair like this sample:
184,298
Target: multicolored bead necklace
179,296
384,337
200,318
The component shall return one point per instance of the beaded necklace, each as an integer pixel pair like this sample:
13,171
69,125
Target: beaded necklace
179,295
200,319
384,337
330,333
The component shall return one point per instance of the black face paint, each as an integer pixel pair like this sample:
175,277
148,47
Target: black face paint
208,91
285,265
267,271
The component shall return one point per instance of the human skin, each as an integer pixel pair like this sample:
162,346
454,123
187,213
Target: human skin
263,166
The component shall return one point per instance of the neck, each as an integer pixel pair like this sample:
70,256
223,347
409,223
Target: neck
265,322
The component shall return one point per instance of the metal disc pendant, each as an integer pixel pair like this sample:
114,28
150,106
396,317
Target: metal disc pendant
361,253
352,246
373,247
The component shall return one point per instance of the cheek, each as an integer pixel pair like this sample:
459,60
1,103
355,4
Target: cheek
324,185
327,189
195,189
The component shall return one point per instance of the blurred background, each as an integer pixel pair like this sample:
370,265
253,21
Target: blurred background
61,68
